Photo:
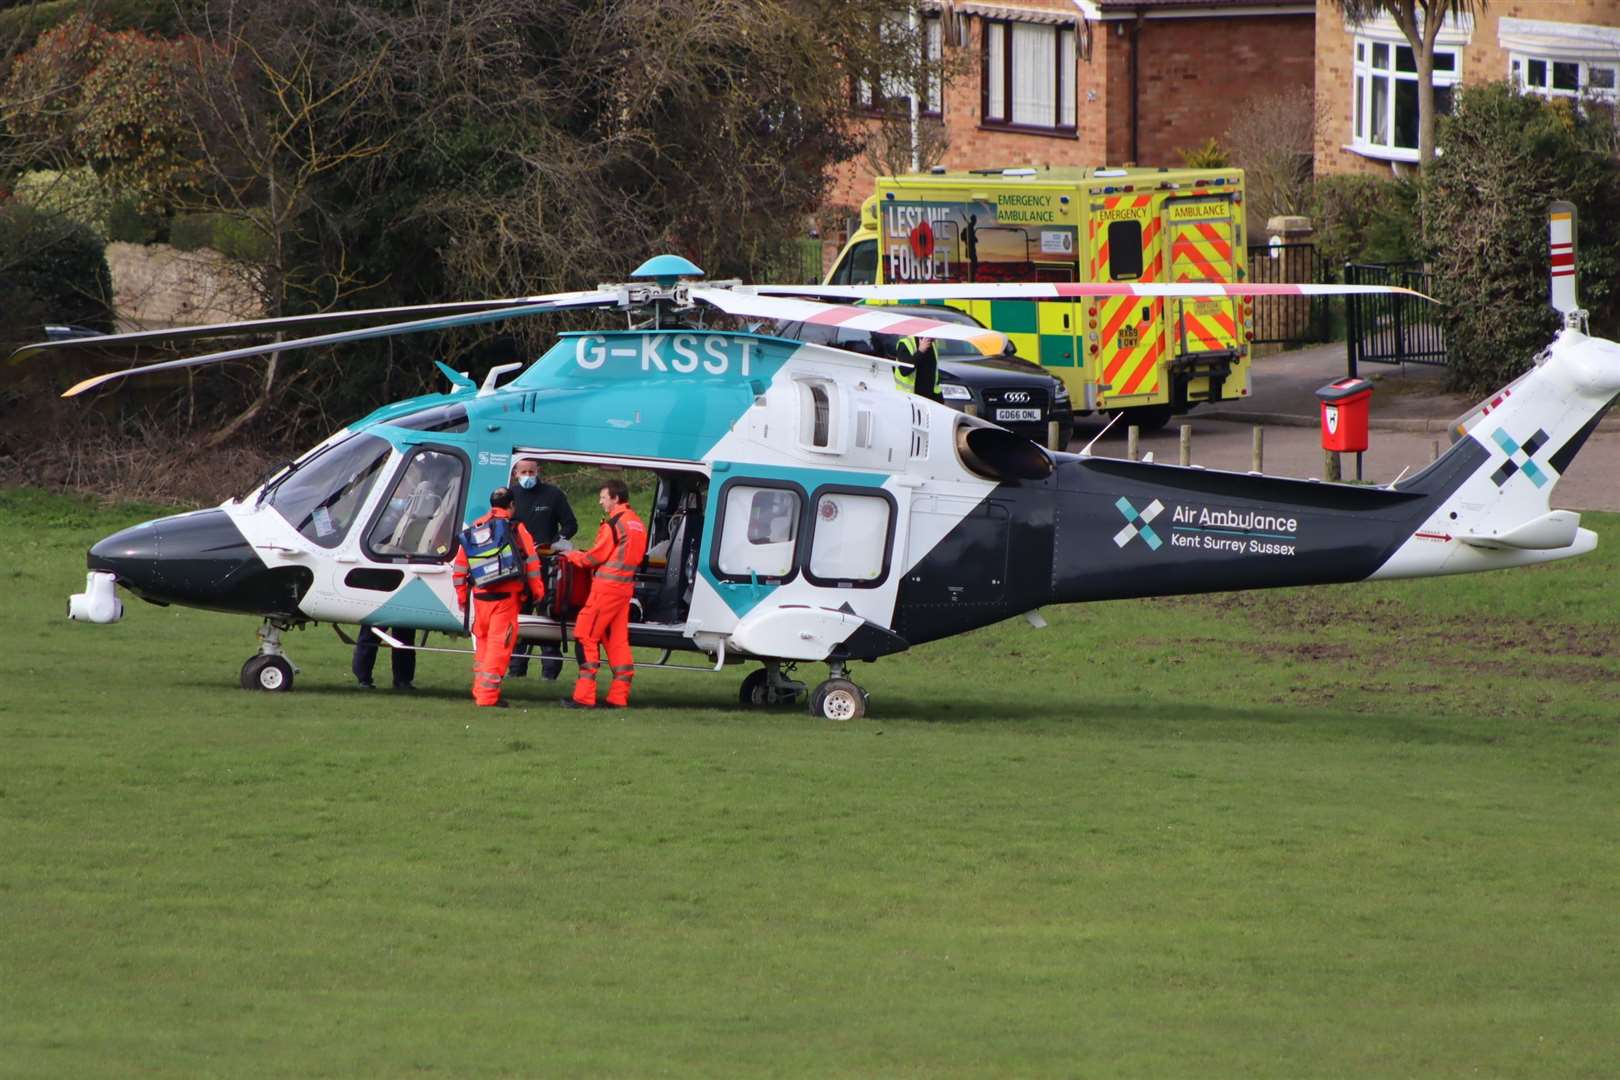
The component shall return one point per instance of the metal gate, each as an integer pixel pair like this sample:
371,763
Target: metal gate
1391,328
1288,320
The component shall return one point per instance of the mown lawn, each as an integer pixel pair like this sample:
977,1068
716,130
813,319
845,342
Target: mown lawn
1355,831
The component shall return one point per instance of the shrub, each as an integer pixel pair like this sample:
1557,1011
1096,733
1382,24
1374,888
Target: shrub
238,238
128,223
77,194
1507,156
1211,155
1366,219
227,234
52,269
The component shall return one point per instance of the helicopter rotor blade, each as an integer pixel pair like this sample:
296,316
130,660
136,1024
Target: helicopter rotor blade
137,338
562,302
874,319
1072,290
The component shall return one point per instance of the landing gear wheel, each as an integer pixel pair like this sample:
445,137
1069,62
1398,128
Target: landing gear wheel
756,689
838,699
264,672
769,686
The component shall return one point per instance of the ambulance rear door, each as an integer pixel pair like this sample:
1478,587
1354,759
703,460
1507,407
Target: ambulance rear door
1125,334
1205,334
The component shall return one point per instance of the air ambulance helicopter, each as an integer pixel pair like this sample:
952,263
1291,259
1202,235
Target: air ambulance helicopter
807,509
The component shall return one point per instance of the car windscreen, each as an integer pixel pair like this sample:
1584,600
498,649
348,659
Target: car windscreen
323,497
861,341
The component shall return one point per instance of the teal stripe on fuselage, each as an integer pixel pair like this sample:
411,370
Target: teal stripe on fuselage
645,393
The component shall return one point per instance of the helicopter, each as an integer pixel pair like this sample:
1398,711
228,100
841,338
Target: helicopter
806,509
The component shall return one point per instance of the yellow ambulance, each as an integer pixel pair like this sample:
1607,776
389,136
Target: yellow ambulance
1154,357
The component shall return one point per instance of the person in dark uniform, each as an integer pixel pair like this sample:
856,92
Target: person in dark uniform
402,661
543,509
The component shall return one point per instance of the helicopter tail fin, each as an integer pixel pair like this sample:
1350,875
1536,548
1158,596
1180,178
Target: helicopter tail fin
1492,491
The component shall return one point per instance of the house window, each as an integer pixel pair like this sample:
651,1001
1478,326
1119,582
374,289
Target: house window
891,94
1028,76
1385,110
1559,59
1552,77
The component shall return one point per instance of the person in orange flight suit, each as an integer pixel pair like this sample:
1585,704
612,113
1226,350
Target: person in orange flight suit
495,618
621,542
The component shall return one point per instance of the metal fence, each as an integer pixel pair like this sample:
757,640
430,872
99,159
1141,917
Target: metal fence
1286,320
1391,329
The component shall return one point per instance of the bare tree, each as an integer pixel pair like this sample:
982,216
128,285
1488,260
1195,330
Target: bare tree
277,102
1272,140
1420,22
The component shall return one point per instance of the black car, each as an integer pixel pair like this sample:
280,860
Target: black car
1008,390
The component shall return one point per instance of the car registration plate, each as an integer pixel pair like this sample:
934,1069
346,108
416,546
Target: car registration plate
1017,415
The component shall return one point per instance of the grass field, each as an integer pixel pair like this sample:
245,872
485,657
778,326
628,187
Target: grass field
1357,831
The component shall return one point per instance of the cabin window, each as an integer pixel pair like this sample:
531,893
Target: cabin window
418,519
323,495
759,531
850,537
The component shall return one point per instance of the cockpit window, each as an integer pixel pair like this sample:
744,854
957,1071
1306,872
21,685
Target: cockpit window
437,418
419,518
321,499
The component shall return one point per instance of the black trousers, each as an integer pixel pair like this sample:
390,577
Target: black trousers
550,659
403,661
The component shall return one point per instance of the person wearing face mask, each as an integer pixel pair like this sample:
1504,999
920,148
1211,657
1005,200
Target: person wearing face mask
543,510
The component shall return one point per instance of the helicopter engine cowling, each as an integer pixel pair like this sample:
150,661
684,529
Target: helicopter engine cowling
997,454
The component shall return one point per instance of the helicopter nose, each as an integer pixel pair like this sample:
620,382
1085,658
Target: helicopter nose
199,560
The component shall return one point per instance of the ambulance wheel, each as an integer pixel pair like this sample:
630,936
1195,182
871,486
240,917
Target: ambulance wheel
838,699
271,673
1147,417
756,689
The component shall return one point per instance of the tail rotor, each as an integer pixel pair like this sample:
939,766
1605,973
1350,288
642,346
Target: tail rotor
1561,248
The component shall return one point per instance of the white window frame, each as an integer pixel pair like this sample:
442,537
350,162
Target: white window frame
1382,31
1589,48
999,77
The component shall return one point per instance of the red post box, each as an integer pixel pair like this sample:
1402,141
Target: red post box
1345,406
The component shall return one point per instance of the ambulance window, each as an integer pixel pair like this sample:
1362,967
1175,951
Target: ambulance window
850,537
1124,250
759,531
418,519
859,266
323,496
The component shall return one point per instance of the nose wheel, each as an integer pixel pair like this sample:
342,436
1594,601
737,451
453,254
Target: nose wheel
272,673
270,670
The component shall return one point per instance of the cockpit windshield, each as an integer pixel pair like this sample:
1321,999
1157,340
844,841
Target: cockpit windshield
322,498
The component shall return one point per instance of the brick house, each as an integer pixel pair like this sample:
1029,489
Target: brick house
1096,82
1366,80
